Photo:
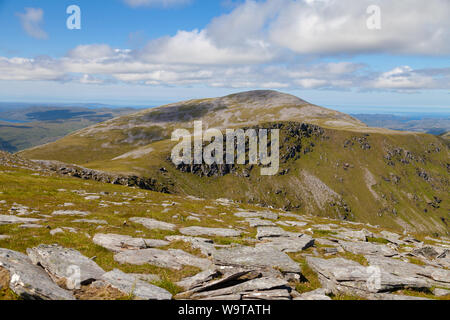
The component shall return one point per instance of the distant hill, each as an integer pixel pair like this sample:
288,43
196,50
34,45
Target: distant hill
23,126
419,123
331,164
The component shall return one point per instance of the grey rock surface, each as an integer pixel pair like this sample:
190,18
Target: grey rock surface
9,219
172,258
118,243
212,232
28,280
132,285
359,247
154,224
67,264
244,256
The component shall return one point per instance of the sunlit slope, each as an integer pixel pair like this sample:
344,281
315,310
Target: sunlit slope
349,171
118,136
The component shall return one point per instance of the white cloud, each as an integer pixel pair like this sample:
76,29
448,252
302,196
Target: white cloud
196,47
330,27
31,21
151,3
266,44
404,78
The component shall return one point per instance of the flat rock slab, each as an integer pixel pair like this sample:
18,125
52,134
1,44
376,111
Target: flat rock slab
261,214
90,221
119,243
274,232
206,246
70,213
154,224
28,280
351,234
275,294
212,232
342,275
318,294
259,284
258,257
257,222
172,258
359,247
199,279
431,275
132,285
291,244
8,219
295,223
438,292
67,264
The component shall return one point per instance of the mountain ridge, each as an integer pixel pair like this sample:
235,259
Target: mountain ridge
348,171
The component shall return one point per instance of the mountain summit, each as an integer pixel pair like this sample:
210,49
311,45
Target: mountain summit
330,164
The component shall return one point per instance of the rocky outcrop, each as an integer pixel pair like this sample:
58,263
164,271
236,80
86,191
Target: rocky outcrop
134,287
119,243
66,264
96,175
28,280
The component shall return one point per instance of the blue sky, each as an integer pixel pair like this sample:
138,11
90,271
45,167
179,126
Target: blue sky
150,52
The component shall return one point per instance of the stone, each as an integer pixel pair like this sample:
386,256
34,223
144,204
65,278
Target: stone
387,296
257,222
431,275
347,276
318,294
295,223
154,224
8,219
56,231
391,237
351,234
271,232
438,292
70,213
28,280
93,221
291,244
259,284
192,218
119,243
67,264
4,237
206,246
261,214
172,258
132,285
92,198
427,252
364,248
275,294
244,256
212,232
30,226
199,279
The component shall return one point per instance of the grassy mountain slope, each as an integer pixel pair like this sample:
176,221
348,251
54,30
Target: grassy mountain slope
347,171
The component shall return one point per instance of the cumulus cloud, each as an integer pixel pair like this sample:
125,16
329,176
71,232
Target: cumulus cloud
31,21
340,27
152,3
196,47
100,64
267,44
330,27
